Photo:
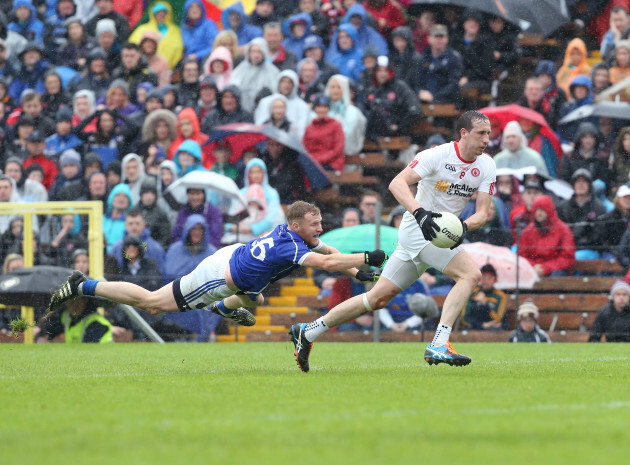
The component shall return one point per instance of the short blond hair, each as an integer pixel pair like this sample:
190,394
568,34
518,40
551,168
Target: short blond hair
297,210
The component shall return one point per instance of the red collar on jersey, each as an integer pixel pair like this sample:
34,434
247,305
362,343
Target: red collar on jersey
458,155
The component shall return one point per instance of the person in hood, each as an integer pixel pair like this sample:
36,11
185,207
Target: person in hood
26,23
106,11
14,41
527,329
298,111
323,138
198,31
315,49
587,154
156,219
556,97
310,83
149,41
54,97
188,128
353,122
264,12
366,78
119,202
94,78
580,212
581,93
392,107
27,189
277,115
403,57
55,35
188,158
171,46
388,14
137,267
198,204
71,171
219,66
345,53
30,74
234,18
575,64
613,319
254,73
286,175
621,67
296,29
506,50
132,11
133,174
158,132
63,139
170,201
357,17
547,242
228,110
516,154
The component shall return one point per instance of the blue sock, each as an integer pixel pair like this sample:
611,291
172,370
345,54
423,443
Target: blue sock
223,309
87,287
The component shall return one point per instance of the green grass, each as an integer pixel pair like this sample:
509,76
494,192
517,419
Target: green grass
360,404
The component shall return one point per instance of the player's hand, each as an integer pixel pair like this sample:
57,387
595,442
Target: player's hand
376,258
426,223
461,238
366,276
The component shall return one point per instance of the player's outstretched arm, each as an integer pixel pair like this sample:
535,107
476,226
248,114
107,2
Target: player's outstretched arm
343,262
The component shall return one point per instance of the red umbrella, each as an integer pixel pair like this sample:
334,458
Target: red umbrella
506,113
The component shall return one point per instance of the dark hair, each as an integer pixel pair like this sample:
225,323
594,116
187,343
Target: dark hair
131,46
468,120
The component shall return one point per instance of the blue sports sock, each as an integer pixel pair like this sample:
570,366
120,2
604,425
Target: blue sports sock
87,287
223,309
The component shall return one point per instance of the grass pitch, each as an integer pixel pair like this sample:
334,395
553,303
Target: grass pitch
360,404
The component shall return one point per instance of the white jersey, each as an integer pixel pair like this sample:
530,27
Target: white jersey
447,182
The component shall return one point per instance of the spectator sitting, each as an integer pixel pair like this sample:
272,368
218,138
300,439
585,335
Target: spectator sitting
496,230
95,78
586,154
198,31
310,80
516,154
345,53
367,205
580,93
357,17
227,110
575,63
63,139
113,171
257,209
486,305
581,212
188,87
547,242
323,138
197,204
535,99
254,73
442,69
296,29
155,62
23,129
527,329
156,219
75,51
555,96
171,46
314,49
319,19
619,22
264,12
279,56
68,240
54,97
506,50
343,110
135,266
388,14
282,172
219,66
133,71
28,189
276,110
26,23
71,171
32,106
136,226
234,18
75,189
159,130
106,11
600,77
404,59
36,143
508,192
613,319
185,254
188,129
133,174
621,68
119,202
222,165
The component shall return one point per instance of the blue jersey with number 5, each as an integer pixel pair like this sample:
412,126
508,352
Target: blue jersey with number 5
266,259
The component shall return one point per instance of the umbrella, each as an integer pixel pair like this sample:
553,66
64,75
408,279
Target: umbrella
504,261
561,188
506,113
540,16
214,181
616,92
32,286
360,238
243,135
618,110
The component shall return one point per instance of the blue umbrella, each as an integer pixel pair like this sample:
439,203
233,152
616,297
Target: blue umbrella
243,135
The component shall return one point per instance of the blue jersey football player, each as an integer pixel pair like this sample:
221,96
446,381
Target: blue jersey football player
235,276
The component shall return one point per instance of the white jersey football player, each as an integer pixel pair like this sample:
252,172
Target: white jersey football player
447,177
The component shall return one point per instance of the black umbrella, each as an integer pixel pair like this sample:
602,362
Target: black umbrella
33,286
536,16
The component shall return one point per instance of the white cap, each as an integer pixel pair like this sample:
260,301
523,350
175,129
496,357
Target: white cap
382,61
623,190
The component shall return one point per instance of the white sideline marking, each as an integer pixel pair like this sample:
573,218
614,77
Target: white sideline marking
611,405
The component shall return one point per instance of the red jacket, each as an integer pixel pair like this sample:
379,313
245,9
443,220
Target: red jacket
324,140
131,10
390,12
554,248
50,168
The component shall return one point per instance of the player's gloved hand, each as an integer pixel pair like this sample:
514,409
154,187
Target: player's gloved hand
366,276
426,223
461,238
376,258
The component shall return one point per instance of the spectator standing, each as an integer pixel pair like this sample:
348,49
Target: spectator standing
156,219
323,138
280,56
612,226
555,96
388,15
404,59
26,22
586,154
516,154
233,18
198,31
352,120
171,46
197,204
219,67
613,319
345,53
574,64
119,202
106,11
227,110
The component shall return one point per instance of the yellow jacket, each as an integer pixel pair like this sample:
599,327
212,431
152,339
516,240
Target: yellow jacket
171,46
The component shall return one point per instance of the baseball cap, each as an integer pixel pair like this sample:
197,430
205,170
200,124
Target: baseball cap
623,191
527,308
438,30
488,268
321,100
36,136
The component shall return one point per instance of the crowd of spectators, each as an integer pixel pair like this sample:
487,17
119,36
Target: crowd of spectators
101,100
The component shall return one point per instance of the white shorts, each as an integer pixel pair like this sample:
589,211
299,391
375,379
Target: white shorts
206,283
404,268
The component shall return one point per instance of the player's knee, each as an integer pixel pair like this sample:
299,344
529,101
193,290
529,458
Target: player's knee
473,275
381,301
260,299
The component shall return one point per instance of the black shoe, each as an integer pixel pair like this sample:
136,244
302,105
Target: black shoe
302,345
241,315
67,291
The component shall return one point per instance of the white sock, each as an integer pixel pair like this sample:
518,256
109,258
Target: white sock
441,335
315,328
